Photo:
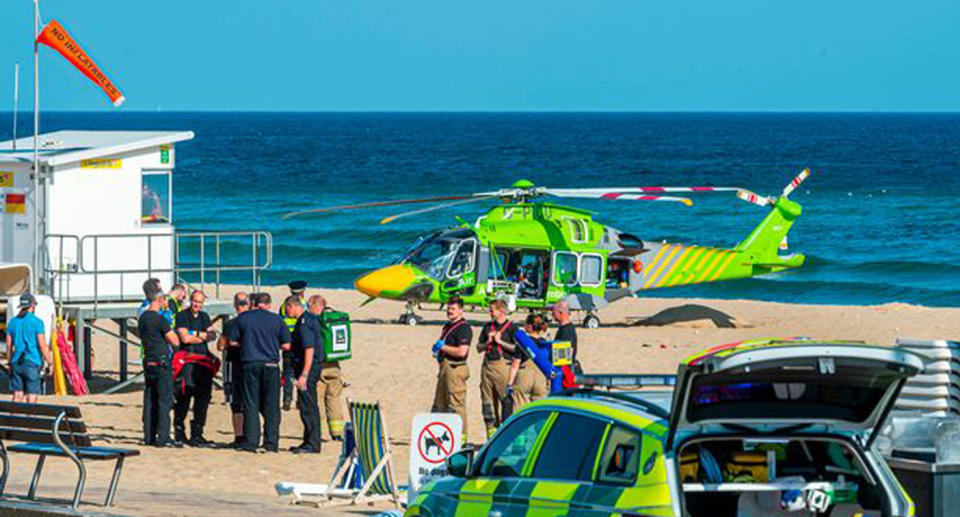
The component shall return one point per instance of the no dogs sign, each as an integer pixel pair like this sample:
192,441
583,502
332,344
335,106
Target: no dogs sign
433,437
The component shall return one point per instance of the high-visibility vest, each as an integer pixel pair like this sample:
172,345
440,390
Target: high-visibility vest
290,322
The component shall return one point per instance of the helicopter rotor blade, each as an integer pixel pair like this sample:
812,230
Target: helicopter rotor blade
639,190
377,204
608,195
392,218
804,174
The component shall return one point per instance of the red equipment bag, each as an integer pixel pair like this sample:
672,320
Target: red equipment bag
183,364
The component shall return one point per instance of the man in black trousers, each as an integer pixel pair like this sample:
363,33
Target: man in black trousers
261,334
306,355
156,336
194,329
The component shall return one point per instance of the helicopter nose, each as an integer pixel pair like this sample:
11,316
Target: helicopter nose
388,281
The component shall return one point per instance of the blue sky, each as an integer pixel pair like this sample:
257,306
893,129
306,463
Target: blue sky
496,55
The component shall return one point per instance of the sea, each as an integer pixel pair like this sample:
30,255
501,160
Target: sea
880,223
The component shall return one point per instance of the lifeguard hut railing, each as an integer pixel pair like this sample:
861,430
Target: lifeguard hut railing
111,267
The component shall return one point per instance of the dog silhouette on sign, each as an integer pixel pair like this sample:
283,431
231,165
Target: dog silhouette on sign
429,441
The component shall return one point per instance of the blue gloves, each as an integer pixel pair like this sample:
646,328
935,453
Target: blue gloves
437,346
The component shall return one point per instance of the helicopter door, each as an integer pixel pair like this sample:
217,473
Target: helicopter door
461,274
530,268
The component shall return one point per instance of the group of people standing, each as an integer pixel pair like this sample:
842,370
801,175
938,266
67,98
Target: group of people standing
253,344
508,380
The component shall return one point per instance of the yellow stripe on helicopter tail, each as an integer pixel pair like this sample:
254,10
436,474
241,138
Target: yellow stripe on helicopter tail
716,266
698,265
664,262
648,270
724,266
676,268
683,269
709,265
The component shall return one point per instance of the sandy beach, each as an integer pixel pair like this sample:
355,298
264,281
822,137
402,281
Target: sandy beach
391,363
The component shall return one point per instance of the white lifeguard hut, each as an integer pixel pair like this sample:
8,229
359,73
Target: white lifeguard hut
98,220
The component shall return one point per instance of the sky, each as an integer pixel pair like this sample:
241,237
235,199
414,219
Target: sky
526,55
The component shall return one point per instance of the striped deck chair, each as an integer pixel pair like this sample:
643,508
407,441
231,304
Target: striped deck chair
373,456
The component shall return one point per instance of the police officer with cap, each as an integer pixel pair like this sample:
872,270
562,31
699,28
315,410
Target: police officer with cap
297,289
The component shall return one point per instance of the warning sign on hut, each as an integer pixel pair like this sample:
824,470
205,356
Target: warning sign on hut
433,437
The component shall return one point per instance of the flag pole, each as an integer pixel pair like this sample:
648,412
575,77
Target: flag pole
16,101
36,141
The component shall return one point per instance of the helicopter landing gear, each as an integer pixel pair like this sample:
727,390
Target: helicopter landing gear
591,321
410,317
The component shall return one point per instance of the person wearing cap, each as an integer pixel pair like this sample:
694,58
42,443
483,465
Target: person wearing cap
233,368
297,289
157,337
27,349
330,385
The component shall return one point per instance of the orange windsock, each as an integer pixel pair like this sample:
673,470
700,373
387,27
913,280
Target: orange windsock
57,38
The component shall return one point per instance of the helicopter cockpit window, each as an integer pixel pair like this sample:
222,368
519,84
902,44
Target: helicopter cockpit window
434,254
463,259
565,268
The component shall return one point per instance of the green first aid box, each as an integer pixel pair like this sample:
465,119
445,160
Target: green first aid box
335,330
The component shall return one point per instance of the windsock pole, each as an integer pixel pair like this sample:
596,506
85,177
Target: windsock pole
37,238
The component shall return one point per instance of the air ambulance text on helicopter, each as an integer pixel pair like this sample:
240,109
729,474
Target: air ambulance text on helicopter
533,253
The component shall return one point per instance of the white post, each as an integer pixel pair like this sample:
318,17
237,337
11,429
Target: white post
16,101
37,237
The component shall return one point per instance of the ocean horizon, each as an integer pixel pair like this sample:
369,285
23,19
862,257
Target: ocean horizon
880,212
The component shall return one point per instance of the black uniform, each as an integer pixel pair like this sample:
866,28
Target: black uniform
233,372
197,381
508,335
158,380
260,334
306,335
568,332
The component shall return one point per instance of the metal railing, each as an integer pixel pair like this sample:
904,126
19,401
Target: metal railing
261,242
59,276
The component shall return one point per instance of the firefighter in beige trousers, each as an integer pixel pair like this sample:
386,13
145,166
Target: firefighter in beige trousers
497,344
330,385
451,351
525,382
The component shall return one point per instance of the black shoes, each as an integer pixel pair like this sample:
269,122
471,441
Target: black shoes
168,445
200,441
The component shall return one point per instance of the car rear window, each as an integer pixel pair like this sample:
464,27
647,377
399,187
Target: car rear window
570,450
850,395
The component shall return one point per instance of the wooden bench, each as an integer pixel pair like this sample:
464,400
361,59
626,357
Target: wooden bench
49,430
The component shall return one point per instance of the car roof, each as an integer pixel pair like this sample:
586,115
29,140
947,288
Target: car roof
649,409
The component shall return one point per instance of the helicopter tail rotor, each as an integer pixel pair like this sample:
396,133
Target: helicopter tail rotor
753,197
804,174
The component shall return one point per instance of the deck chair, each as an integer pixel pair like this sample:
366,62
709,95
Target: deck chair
371,457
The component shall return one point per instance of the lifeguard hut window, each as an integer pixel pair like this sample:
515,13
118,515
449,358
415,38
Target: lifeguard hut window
155,203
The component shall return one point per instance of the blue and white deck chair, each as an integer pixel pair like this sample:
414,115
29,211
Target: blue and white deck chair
368,464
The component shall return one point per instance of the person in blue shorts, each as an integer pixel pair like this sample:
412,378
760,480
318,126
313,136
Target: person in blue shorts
27,349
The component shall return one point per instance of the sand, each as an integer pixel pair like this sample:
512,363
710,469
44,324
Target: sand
392,364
